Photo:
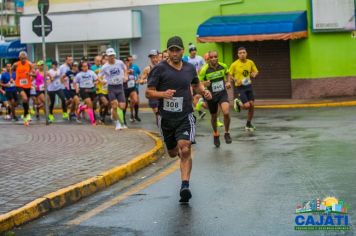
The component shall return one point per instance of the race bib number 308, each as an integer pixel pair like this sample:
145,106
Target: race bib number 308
173,105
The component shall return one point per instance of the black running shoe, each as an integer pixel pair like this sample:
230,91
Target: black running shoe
250,127
217,141
72,116
185,195
227,137
138,118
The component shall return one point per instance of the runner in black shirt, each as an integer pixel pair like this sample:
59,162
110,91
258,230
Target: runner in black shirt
170,82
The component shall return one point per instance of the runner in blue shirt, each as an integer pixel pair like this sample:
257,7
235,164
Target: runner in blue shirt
8,84
132,88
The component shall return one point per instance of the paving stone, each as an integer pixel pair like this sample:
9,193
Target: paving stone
37,160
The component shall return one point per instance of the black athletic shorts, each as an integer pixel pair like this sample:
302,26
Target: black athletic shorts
70,94
245,93
128,92
217,99
3,98
38,93
11,95
87,93
26,90
175,130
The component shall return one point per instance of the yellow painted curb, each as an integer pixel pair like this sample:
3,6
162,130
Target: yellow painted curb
312,105
74,193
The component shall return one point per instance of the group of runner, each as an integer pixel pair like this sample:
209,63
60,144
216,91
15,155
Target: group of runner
110,83
176,86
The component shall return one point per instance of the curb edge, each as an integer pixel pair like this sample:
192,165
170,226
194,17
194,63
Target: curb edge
75,192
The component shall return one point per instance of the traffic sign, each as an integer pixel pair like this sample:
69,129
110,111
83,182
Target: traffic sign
37,26
45,4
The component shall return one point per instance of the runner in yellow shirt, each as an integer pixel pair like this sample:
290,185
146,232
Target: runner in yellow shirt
101,89
242,71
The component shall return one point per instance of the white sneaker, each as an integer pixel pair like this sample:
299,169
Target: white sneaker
118,126
124,127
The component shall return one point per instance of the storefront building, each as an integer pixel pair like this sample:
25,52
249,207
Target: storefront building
308,64
295,59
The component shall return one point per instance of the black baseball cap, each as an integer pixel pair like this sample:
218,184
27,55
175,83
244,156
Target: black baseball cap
175,41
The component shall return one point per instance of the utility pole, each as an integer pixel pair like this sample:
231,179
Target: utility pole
44,59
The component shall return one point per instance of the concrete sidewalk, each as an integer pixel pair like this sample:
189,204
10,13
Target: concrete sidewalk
59,164
281,103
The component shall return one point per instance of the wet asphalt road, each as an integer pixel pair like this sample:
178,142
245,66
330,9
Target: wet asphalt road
250,187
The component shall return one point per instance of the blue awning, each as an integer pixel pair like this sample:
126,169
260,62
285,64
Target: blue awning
257,27
11,49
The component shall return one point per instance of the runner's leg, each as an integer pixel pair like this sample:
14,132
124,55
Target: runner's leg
25,104
52,98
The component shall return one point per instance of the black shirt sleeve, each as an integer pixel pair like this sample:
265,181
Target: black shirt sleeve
153,77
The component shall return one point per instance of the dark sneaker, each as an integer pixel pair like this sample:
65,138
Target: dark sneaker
185,195
250,128
217,141
227,137
237,106
138,118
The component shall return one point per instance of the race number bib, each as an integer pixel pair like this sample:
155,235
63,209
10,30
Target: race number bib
87,84
23,81
173,105
246,81
130,83
116,80
56,83
217,86
41,87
